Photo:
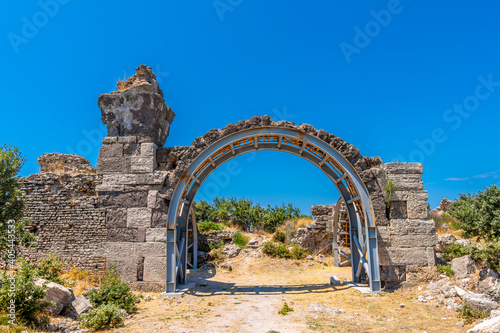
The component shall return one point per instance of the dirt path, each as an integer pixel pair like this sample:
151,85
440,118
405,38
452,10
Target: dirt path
248,298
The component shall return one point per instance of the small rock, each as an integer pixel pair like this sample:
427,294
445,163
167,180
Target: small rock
401,305
310,257
334,281
231,250
52,327
321,257
490,286
147,298
460,324
81,305
463,266
481,302
460,291
226,266
494,313
60,295
422,299
490,325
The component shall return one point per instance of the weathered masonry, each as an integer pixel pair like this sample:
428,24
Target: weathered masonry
136,212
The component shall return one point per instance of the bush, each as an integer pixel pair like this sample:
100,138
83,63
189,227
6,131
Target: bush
489,252
213,246
105,316
282,251
285,309
470,314
240,239
279,236
50,268
478,215
269,248
298,252
113,291
206,227
29,300
457,251
445,269
215,256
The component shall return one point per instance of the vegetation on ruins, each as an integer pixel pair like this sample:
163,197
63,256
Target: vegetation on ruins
469,313
240,239
12,224
390,188
21,290
245,214
478,215
105,316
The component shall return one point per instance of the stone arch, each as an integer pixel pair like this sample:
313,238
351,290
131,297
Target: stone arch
260,133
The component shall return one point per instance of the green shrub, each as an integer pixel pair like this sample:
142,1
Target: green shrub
445,269
491,254
213,246
269,248
113,291
240,239
206,227
215,256
478,214
298,252
285,309
470,314
28,298
105,316
458,250
50,268
390,188
279,236
279,250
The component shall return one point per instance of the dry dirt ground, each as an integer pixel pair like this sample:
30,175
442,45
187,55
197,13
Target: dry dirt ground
248,298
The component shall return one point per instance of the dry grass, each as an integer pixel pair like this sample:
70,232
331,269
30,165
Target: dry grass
81,280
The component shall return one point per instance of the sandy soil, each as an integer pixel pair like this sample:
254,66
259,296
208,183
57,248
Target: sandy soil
248,298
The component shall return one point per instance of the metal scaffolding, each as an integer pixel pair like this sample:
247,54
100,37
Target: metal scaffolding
357,204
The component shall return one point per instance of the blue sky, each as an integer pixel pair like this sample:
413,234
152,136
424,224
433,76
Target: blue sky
404,80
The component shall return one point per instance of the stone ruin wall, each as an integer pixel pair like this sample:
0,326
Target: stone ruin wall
61,203
136,176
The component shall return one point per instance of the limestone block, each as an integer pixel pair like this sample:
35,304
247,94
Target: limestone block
123,199
119,179
383,236
412,226
402,256
109,140
152,195
117,249
81,305
404,168
431,256
488,325
139,217
111,150
155,269
60,295
407,182
127,266
398,210
392,273
481,302
417,209
148,287
122,235
410,195
414,240
116,218
127,139
110,165
142,164
159,219
151,249
155,178
156,235
148,149
491,287
463,266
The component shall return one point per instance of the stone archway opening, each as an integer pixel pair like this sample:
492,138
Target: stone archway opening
363,236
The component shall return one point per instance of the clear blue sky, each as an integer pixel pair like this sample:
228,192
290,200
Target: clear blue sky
386,76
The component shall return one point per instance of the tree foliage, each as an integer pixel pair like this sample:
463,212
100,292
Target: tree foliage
245,213
11,202
478,215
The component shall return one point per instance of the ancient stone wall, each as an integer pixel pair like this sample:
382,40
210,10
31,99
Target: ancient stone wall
63,211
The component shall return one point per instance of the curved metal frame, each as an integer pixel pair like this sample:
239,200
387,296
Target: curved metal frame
364,249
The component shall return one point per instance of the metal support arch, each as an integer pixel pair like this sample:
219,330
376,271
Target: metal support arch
364,248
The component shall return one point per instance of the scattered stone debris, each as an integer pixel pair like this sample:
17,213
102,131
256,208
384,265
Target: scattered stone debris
81,305
60,295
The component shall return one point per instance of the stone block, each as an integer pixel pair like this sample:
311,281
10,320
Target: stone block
109,188
392,273
152,196
81,305
148,149
132,149
116,218
412,226
139,217
117,249
151,249
383,236
159,219
155,178
156,235
56,293
109,140
111,150
395,256
417,209
155,269
119,179
318,210
431,257
398,210
410,195
110,165
148,287
127,139
123,199
404,168
122,235
463,266
142,164
141,234
414,240
126,266
407,182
